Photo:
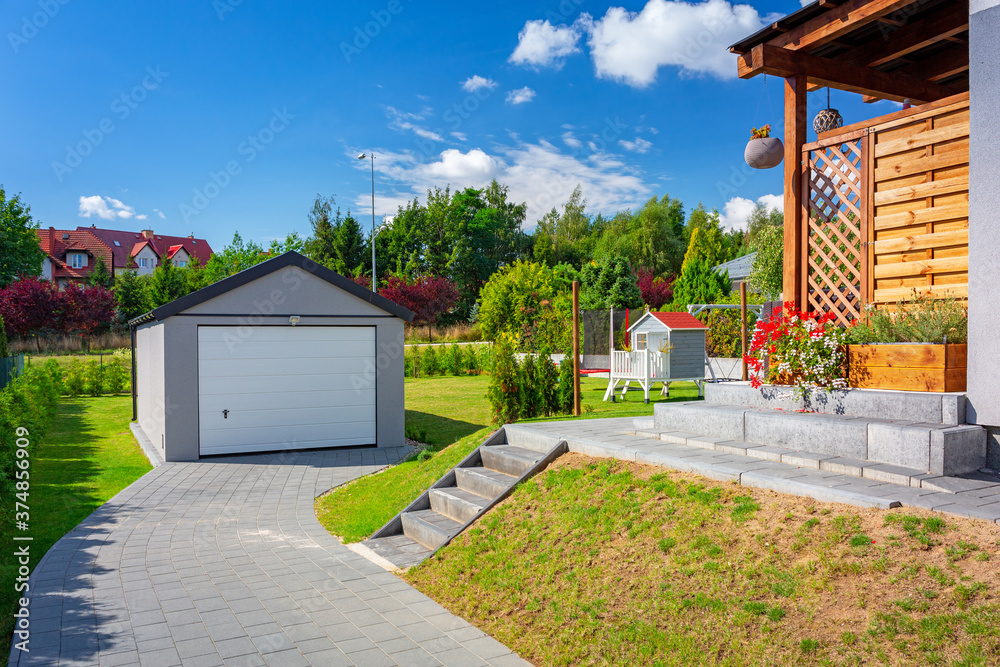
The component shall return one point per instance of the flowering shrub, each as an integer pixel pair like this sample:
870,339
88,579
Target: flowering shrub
803,347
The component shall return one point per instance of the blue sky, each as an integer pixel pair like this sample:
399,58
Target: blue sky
212,116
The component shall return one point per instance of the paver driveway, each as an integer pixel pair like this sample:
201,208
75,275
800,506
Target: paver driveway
223,562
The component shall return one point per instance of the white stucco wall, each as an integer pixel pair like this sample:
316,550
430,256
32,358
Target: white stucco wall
151,261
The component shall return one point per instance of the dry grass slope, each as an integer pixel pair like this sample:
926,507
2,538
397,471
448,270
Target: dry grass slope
615,563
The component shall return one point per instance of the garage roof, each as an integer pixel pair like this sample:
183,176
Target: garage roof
264,268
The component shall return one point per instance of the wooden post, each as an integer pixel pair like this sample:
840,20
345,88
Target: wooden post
576,348
743,327
793,282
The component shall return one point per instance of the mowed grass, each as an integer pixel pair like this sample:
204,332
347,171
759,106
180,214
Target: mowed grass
87,456
453,416
617,563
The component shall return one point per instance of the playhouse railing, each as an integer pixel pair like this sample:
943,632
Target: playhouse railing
640,364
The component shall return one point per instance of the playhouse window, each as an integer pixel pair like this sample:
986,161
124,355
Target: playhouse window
640,341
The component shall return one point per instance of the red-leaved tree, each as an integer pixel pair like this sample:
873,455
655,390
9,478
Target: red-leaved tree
33,308
656,292
87,309
428,297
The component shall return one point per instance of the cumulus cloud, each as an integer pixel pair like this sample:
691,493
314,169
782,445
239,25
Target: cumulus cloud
475,82
106,208
402,121
159,213
640,145
520,96
631,47
539,174
541,44
738,209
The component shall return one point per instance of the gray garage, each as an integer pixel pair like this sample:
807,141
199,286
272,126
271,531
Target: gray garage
286,355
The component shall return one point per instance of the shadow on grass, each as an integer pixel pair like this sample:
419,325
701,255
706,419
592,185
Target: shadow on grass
437,430
62,458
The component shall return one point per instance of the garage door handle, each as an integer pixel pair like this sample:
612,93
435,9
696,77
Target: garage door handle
225,414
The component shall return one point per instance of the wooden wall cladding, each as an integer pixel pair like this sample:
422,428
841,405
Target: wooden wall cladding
919,207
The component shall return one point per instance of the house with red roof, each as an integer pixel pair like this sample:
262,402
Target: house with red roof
70,255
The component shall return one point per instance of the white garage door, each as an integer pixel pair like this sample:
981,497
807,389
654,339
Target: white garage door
274,388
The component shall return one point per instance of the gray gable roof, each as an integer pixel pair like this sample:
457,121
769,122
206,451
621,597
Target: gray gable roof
739,268
257,271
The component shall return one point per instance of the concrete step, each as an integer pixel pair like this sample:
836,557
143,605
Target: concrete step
529,439
401,551
510,459
938,448
483,481
456,503
429,528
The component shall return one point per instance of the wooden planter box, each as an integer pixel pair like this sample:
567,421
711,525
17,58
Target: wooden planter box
908,366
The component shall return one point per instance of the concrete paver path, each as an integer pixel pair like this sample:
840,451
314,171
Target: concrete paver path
222,562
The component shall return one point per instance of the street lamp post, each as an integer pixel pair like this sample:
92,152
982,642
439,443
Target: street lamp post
364,156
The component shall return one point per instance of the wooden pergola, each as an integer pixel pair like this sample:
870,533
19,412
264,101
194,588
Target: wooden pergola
877,209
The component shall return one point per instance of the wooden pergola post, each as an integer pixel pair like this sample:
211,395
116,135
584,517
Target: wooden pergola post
793,287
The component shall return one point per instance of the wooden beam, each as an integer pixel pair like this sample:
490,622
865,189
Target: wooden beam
950,20
836,22
768,59
954,60
796,124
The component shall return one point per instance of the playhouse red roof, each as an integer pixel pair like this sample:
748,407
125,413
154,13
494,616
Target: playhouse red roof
679,320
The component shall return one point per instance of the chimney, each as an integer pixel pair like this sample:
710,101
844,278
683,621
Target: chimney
148,233
190,236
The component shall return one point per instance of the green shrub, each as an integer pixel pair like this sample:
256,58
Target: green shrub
454,360
919,320
529,394
432,365
95,378
565,390
470,360
503,391
117,374
28,402
548,384
414,362
75,381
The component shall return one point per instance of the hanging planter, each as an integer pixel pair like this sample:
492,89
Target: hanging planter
764,151
827,119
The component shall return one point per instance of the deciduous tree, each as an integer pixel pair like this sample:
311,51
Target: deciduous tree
19,249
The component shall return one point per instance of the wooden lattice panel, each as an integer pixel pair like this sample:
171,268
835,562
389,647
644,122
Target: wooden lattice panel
920,205
833,240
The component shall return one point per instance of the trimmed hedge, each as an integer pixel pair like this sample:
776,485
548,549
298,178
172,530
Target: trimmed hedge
28,402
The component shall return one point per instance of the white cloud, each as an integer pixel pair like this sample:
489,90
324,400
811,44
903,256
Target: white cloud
106,208
806,2
541,44
474,83
461,136
738,209
520,96
141,217
631,47
159,213
539,174
640,145
401,121
570,140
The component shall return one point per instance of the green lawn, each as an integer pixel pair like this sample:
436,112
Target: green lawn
452,414
616,563
87,456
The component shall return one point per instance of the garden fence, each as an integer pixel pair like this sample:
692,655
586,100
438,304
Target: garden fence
10,368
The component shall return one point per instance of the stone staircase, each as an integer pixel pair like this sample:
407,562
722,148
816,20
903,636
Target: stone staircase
852,433
463,494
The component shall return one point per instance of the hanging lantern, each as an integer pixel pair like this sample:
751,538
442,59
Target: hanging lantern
827,119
